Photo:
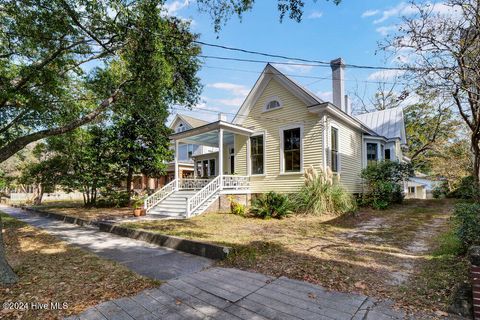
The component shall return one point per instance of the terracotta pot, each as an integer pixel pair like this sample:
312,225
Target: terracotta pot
137,212
143,212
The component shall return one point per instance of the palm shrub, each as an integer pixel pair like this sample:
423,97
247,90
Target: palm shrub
271,205
321,195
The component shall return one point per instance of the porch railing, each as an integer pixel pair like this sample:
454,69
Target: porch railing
203,195
194,184
159,195
235,182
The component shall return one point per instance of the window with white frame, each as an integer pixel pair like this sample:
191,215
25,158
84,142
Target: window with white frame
292,148
273,103
388,155
411,189
334,149
199,169
372,153
257,154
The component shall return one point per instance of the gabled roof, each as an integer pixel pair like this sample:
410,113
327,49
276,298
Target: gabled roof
312,101
190,121
388,123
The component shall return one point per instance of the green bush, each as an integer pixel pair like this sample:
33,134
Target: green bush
271,205
113,198
236,208
441,190
320,195
466,189
383,181
467,219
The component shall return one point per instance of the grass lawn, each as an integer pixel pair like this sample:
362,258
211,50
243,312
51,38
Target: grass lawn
77,209
406,253
50,270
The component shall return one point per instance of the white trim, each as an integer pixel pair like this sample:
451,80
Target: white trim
249,160
271,99
324,142
282,156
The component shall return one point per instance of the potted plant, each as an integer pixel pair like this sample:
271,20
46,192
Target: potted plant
138,209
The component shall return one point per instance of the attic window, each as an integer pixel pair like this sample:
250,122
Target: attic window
273,103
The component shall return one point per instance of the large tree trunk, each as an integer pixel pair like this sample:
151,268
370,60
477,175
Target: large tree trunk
7,276
37,199
476,161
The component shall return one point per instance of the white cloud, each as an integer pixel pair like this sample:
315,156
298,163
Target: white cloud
325,95
315,15
294,68
402,9
385,75
370,13
234,102
386,30
235,89
173,7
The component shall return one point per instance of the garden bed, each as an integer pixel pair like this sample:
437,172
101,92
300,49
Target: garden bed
50,270
405,253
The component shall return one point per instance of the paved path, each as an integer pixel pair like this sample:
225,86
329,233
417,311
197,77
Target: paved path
144,258
193,292
219,293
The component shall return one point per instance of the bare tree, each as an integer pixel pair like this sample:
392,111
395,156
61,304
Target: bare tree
442,42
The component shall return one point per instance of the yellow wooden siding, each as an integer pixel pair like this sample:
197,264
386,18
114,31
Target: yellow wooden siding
240,155
350,153
293,111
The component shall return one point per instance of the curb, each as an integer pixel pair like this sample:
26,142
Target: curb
198,248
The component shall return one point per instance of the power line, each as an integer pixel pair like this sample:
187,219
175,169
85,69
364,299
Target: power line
303,76
321,63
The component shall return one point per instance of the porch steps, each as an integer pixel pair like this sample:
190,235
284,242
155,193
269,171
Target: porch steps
175,205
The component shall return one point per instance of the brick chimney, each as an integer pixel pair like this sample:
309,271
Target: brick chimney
338,83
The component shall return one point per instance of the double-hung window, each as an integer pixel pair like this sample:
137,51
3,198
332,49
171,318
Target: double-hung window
334,149
292,159
257,154
372,153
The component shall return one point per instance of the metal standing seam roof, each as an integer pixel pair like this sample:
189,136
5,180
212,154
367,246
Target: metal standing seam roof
388,123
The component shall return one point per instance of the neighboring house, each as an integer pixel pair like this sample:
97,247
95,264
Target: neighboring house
281,129
186,152
420,187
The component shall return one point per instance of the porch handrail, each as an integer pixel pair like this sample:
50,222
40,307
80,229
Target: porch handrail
203,195
235,182
195,184
159,195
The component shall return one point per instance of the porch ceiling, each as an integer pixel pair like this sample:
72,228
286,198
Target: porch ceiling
208,134
208,139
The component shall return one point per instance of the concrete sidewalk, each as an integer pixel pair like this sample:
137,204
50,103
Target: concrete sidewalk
146,259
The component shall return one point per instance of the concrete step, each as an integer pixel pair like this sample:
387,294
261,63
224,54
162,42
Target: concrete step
170,209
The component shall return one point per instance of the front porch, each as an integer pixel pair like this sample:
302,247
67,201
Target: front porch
215,173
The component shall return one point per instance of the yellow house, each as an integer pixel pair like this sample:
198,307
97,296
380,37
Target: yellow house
280,129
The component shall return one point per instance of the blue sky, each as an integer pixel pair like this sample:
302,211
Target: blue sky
351,31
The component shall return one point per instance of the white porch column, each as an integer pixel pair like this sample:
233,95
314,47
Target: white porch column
176,163
220,156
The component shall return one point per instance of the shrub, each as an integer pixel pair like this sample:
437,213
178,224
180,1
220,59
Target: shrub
467,219
236,208
271,205
383,181
441,190
113,198
466,189
320,195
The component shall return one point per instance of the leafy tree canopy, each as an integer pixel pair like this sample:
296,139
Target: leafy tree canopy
47,51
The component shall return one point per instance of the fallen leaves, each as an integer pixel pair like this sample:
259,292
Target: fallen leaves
52,271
